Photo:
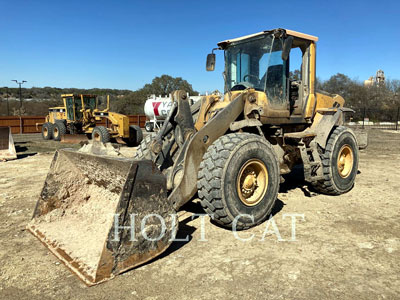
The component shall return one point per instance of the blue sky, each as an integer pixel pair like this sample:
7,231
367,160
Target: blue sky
125,44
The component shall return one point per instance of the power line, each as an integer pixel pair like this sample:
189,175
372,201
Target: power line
20,93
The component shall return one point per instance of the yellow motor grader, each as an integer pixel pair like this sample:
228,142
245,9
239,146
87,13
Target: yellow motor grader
103,215
76,120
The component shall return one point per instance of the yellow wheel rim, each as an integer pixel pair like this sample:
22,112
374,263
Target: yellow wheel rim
45,132
252,182
55,132
345,161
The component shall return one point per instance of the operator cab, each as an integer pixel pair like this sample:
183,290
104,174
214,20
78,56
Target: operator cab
75,104
262,61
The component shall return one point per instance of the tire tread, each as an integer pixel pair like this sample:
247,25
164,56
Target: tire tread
211,174
327,185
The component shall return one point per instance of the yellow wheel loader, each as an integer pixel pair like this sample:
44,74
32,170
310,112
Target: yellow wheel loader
102,215
76,121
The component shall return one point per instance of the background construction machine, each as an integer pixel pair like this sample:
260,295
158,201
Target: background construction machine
231,151
78,117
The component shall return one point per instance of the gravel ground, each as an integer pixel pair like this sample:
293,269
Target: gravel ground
347,247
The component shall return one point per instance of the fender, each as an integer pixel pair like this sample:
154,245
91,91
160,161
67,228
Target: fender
324,121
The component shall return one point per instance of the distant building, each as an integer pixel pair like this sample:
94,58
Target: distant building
380,77
377,80
369,82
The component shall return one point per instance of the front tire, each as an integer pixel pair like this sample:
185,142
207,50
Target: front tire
101,134
143,151
340,163
238,176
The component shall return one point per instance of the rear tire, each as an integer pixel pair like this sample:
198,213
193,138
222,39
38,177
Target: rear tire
47,131
135,135
101,134
59,129
340,163
239,175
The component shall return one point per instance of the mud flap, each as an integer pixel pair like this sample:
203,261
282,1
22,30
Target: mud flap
103,215
7,148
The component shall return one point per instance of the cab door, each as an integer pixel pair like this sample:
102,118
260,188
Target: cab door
274,84
299,79
69,105
78,108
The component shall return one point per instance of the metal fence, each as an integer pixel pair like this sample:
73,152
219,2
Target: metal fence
27,124
375,118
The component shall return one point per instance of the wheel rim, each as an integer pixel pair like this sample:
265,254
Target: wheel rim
252,182
97,137
45,132
55,132
345,161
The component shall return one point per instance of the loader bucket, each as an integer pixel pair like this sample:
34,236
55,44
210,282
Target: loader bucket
7,148
73,138
103,215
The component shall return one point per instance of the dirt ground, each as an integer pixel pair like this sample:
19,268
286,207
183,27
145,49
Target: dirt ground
347,247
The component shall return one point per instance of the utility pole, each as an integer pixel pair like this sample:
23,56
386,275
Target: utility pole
20,93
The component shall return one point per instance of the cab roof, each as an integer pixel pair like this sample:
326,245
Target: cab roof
225,43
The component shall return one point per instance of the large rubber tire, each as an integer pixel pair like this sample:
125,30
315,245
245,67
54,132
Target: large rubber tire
101,134
47,131
135,135
218,177
143,150
334,183
59,129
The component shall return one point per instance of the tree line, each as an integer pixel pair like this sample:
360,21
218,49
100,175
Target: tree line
36,101
380,102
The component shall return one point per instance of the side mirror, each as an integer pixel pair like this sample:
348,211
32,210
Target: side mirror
210,66
287,46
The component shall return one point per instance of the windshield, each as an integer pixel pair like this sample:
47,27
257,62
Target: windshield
252,64
90,102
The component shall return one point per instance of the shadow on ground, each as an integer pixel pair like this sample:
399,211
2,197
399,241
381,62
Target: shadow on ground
294,180
23,151
183,237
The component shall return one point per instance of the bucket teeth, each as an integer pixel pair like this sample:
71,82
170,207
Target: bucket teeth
103,215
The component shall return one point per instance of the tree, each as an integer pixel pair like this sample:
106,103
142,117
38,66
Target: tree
165,84
377,101
338,84
295,75
133,103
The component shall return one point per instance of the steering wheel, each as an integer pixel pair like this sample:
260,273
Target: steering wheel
253,76
241,86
